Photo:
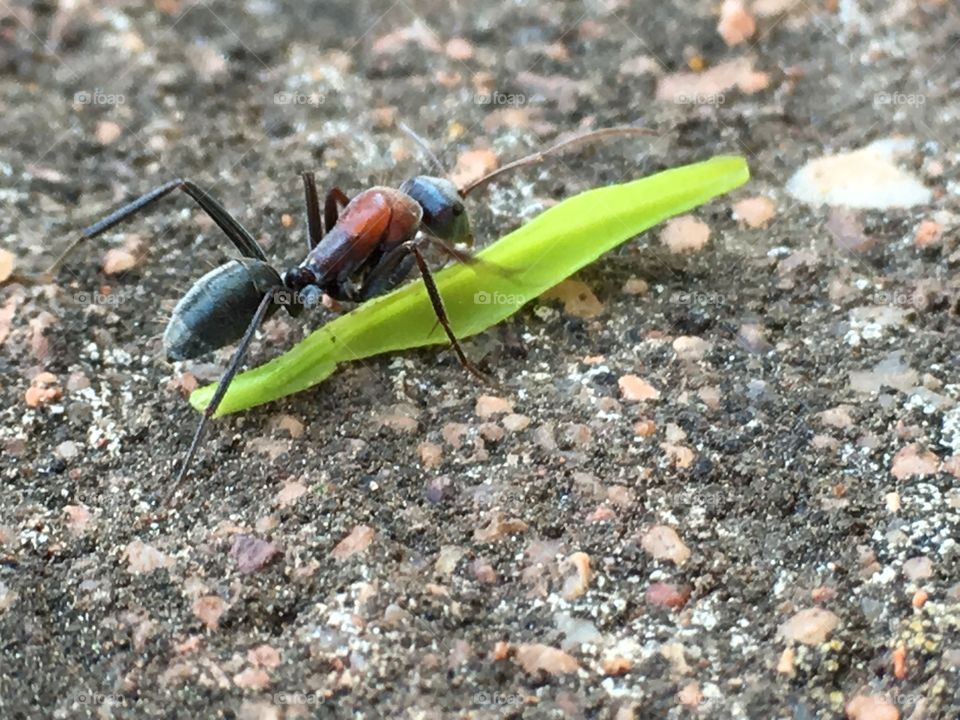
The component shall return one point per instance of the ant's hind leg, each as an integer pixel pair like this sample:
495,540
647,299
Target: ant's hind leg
258,317
238,235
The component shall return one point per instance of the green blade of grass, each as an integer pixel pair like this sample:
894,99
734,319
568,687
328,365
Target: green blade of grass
516,269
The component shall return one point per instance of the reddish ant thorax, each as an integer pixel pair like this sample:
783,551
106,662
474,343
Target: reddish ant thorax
376,220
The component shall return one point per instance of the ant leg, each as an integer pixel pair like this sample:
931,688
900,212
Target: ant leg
314,223
441,312
393,269
465,257
335,197
225,381
237,234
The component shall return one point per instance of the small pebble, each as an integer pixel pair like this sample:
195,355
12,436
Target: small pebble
291,425
810,626
620,496
918,568
77,519
837,417
667,595
685,234
579,575
208,609
868,178
690,694
252,554
679,456
384,117
900,661
645,428
786,661
755,212
871,707
691,349
399,423
290,493
577,435
448,558
490,405
544,437
430,454
118,260
356,542
661,542
710,395
636,286
107,132
44,388
77,381
143,558
712,83
602,513
912,461
484,572
7,262
452,434
67,450
267,523
473,165
515,423
577,298
264,656
637,389
892,500
498,528
459,49
536,658
437,489
491,432
736,23
928,234
616,665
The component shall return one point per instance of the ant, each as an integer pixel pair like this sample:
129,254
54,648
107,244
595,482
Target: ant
360,248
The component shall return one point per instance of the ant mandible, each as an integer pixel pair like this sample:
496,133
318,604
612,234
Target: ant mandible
360,248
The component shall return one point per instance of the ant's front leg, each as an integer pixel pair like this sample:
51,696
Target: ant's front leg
238,235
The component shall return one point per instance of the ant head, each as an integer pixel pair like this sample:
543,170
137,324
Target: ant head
299,277
444,214
302,283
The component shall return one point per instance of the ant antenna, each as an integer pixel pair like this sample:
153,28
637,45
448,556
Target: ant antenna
27,280
423,146
560,146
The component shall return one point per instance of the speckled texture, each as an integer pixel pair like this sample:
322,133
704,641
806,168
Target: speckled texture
780,508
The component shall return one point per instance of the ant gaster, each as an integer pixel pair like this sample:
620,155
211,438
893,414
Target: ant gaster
361,247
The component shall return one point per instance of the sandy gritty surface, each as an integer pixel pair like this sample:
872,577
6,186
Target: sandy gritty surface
719,478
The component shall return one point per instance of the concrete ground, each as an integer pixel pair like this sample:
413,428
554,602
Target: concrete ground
716,483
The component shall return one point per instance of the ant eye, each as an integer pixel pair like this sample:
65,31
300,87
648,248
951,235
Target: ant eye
458,209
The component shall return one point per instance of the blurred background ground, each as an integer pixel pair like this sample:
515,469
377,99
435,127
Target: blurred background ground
716,482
